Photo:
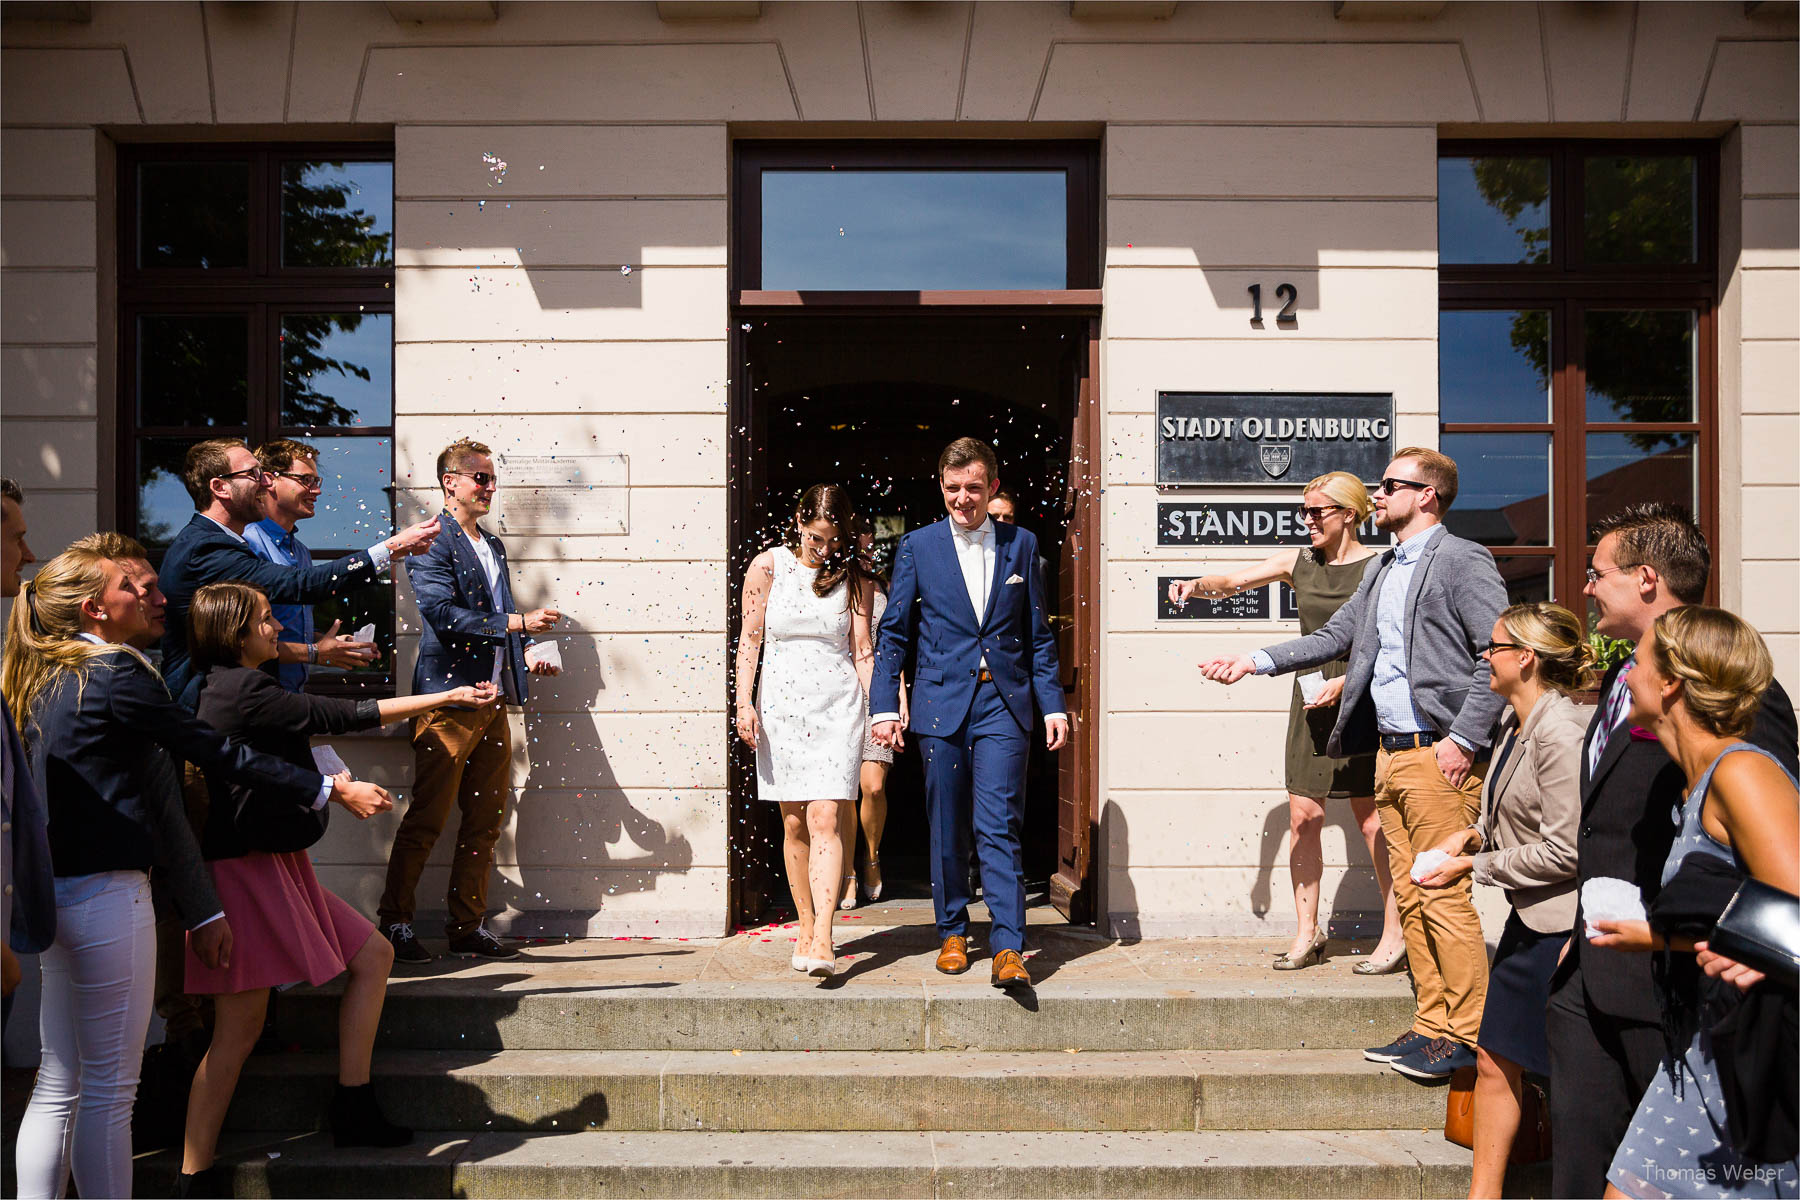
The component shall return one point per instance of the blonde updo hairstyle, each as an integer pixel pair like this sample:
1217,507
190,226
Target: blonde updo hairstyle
1565,659
1346,489
1723,665
43,637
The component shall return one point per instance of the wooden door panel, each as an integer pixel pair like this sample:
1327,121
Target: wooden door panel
1071,886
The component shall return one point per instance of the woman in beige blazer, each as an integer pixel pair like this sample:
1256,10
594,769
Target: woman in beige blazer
1525,843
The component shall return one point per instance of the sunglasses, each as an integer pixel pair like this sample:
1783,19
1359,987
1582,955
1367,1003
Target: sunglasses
481,478
1318,513
1391,485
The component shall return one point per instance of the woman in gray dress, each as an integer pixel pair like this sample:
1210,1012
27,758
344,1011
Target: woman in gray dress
1324,575
1696,683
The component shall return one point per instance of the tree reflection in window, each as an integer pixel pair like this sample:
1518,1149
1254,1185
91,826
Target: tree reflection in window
336,369
337,215
1640,367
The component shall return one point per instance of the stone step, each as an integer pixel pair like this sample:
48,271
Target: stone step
722,1090
944,1164
525,1011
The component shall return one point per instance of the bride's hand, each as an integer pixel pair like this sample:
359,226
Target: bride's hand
748,727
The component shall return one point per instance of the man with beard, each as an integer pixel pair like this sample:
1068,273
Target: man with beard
228,486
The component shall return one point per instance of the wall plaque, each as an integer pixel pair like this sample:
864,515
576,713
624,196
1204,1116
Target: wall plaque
1245,606
560,494
1271,437
1241,523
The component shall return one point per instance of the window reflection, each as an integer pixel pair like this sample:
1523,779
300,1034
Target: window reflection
194,214
353,510
1494,366
1503,488
193,369
1493,210
1628,468
337,369
914,230
163,504
336,214
1639,209
1640,365
1527,578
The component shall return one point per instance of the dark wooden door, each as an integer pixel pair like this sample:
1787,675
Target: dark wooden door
1077,622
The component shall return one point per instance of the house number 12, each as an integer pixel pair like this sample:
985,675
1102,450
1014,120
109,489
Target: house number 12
1287,293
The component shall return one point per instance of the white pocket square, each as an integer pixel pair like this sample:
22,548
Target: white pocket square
1014,579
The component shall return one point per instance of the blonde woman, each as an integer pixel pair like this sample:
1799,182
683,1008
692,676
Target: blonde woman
91,712
1525,843
1324,574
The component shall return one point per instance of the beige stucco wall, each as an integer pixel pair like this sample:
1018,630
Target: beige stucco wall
1242,143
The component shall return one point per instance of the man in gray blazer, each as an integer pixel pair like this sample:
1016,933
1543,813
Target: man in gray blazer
1416,691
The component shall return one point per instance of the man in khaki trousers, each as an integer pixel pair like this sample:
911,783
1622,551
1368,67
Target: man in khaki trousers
1417,691
462,758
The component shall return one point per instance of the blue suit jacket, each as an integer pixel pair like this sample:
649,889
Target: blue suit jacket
203,553
464,622
930,621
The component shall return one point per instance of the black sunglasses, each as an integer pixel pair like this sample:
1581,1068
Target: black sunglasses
1318,513
1390,485
481,478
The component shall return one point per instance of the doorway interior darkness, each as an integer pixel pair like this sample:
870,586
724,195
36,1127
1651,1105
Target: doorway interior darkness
869,401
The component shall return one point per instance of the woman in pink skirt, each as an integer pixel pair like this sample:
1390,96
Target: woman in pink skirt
287,928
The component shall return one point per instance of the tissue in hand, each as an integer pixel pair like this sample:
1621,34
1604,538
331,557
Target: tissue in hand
1604,899
1310,686
544,652
365,634
1426,862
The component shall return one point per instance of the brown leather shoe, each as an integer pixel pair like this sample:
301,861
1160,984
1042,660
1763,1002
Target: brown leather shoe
1009,970
953,959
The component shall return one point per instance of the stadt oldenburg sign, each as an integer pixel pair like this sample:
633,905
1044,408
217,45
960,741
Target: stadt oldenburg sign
1279,438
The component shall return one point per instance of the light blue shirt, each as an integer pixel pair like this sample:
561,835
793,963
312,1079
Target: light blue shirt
270,542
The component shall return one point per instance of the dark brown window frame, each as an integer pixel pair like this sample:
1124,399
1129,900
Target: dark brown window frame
263,290
1568,288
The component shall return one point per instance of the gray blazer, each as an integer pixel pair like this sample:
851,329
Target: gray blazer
1456,593
1531,813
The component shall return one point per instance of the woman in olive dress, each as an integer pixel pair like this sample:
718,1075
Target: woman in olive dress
1323,575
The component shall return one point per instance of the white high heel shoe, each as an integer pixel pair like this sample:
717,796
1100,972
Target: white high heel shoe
872,892
798,962
821,968
849,900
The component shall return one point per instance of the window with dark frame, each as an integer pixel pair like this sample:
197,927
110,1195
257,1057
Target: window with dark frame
1577,283
256,301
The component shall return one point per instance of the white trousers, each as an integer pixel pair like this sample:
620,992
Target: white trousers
99,979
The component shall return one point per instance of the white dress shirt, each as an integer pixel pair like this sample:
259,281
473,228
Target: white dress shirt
490,566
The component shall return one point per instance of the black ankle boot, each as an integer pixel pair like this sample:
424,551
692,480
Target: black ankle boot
356,1120
202,1185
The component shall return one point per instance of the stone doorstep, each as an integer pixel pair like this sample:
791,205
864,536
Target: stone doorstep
786,1165
833,1091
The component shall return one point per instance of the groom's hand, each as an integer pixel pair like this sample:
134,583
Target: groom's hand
1056,732
889,734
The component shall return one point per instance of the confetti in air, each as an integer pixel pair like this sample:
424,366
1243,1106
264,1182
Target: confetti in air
496,168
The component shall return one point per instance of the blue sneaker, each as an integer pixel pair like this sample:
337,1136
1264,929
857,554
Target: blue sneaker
1435,1061
1400,1047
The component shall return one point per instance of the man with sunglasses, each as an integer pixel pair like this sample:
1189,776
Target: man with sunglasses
228,487
294,489
1417,692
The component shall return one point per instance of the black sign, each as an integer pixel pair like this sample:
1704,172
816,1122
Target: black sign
1271,437
1245,606
1241,523
1287,607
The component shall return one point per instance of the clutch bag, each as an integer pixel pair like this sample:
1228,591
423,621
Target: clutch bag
1761,928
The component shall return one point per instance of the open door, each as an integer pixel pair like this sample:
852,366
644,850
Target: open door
1077,624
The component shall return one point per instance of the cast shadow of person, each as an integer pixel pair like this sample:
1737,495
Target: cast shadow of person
1355,893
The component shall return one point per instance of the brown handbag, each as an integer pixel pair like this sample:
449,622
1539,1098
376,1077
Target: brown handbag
1530,1145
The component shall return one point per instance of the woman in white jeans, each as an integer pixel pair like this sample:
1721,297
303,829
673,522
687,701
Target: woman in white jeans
96,720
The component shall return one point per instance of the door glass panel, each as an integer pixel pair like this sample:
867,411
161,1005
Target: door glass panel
352,510
1503,488
1640,365
163,504
193,369
194,214
336,214
1639,209
337,369
914,230
1628,468
1493,210
1494,366
1527,577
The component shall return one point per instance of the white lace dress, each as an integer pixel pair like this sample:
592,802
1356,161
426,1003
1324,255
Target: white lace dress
810,702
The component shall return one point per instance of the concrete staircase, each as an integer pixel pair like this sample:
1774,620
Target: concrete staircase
710,1069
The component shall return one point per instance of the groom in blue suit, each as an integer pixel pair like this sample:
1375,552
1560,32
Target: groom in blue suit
967,607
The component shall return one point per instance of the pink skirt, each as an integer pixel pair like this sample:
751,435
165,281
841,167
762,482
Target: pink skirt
285,927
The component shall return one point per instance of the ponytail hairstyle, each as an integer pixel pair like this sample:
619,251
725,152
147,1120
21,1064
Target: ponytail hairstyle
830,502
43,634
218,620
1565,657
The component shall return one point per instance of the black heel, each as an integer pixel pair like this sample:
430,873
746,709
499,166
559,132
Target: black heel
202,1185
356,1120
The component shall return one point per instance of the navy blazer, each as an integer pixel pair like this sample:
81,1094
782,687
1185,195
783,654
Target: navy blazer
204,553
929,618
463,621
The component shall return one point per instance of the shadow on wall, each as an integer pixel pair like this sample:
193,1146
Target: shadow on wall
1354,909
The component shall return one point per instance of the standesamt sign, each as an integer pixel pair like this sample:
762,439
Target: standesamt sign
1271,437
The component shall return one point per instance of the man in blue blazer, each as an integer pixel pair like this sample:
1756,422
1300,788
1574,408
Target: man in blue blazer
462,758
229,488
967,608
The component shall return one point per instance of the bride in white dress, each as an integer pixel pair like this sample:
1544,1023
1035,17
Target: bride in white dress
811,605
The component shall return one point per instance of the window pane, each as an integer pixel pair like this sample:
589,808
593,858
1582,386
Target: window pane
1640,365
194,214
1503,489
337,369
914,230
1494,366
353,505
194,369
1494,210
337,214
360,606
1527,578
163,505
1627,468
1639,209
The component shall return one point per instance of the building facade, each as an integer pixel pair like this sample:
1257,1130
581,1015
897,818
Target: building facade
673,261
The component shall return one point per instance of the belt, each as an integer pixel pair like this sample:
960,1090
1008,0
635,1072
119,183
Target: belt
984,676
1392,742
